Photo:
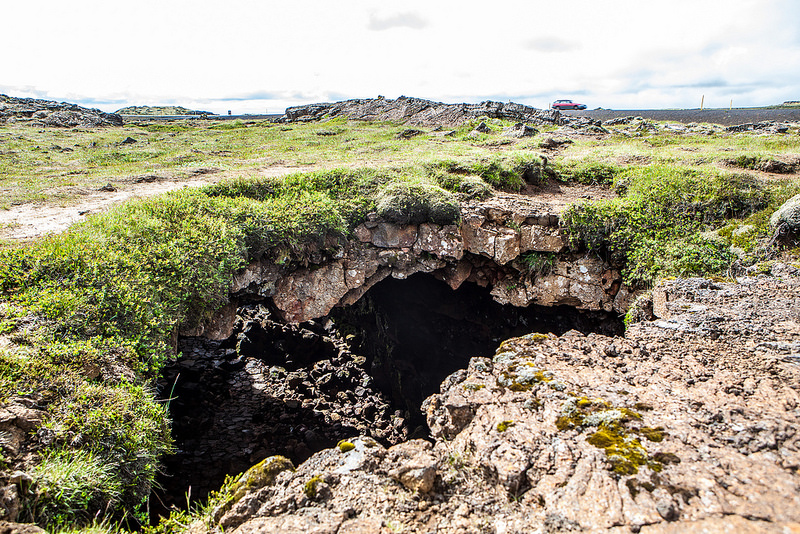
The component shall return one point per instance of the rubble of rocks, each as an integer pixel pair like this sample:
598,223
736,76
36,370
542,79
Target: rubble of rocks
293,389
691,422
632,126
19,416
637,127
770,127
767,164
582,126
271,388
39,112
420,112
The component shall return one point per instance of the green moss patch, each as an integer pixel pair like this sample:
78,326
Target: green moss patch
616,432
523,377
502,426
652,434
624,452
310,487
345,446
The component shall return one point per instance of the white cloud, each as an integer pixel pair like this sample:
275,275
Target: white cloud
552,44
249,56
397,20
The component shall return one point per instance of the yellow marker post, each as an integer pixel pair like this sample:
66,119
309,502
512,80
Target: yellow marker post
702,100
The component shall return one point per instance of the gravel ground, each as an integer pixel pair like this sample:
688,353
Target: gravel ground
718,116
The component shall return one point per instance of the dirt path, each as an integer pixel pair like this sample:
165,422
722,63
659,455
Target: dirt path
27,222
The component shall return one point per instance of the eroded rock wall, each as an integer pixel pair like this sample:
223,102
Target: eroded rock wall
48,113
420,112
509,243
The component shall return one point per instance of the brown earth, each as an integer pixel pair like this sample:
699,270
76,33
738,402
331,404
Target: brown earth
723,117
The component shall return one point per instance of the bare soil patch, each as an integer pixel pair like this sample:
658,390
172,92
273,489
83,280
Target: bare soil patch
27,222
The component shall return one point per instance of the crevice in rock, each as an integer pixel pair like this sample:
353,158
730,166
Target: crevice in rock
293,389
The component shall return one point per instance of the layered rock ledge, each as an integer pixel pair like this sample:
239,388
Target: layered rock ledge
509,243
689,423
420,112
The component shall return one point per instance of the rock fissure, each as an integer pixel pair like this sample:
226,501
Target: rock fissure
355,343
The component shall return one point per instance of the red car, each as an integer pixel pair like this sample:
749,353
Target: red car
567,104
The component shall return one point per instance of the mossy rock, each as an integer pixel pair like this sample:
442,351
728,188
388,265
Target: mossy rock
345,446
310,487
412,203
260,475
788,213
502,426
473,188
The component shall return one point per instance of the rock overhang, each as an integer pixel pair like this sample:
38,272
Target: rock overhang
489,246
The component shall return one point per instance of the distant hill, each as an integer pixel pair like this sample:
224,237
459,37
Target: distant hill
160,110
38,112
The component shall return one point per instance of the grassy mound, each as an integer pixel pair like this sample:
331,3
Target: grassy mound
405,203
659,226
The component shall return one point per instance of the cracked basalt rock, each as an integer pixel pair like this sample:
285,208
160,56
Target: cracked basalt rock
271,388
666,430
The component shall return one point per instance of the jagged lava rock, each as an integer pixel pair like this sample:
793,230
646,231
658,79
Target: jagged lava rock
48,113
691,422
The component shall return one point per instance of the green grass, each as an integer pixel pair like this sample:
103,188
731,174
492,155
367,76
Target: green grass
70,486
61,166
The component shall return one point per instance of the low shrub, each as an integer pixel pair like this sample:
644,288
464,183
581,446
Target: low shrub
509,172
587,172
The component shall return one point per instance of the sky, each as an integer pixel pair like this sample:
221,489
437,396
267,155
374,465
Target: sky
263,56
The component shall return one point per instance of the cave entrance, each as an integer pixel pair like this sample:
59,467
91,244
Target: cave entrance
276,388
416,332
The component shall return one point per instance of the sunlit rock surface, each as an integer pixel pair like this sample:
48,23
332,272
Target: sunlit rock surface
689,423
